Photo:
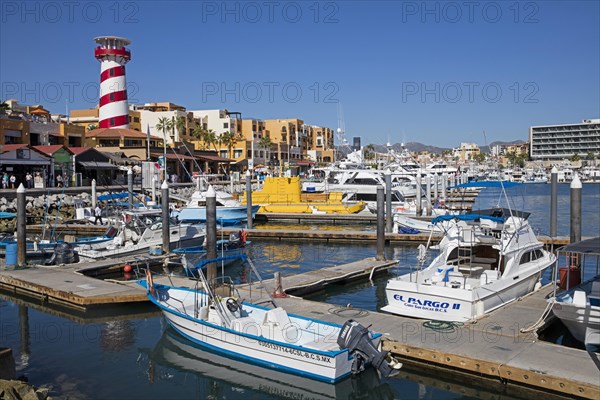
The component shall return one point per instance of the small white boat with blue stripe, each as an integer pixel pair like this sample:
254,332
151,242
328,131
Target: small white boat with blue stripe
215,316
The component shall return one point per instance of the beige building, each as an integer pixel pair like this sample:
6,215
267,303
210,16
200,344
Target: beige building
319,146
466,151
89,116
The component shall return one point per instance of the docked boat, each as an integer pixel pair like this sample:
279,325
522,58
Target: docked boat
579,307
214,317
137,231
407,224
485,261
231,250
229,210
283,195
175,351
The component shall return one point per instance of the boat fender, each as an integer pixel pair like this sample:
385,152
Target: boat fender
150,281
243,236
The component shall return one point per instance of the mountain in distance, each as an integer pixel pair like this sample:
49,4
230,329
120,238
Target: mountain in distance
417,147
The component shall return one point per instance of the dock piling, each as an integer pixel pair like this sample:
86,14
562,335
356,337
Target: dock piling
553,201
249,198
154,189
444,193
418,194
575,209
389,222
436,189
21,226
164,198
93,194
130,187
211,232
428,194
380,225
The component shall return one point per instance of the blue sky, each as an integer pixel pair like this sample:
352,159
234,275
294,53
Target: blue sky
434,72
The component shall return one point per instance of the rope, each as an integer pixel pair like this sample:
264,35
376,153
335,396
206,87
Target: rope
348,312
442,326
541,320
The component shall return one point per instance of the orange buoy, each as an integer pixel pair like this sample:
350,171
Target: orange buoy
127,268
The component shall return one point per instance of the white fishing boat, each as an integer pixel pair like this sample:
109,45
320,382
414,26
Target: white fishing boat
138,231
175,351
485,261
268,337
579,308
408,224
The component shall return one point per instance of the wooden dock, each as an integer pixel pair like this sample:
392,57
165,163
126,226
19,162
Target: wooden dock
492,348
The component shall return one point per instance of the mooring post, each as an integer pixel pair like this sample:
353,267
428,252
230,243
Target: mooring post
575,209
21,226
154,189
389,221
436,188
444,193
553,202
93,194
249,198
428,194
211,233
164,201
130,187
380,225
418,195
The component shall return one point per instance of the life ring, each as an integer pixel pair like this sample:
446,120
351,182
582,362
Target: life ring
150,281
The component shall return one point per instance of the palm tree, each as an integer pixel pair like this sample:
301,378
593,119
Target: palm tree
164,125
265,143
4,107
210,138
229,139
91,127
180,125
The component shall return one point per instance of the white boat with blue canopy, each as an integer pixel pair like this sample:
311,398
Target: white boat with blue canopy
216,317
578,308
486,259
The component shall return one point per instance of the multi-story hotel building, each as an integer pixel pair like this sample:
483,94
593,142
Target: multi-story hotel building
556,142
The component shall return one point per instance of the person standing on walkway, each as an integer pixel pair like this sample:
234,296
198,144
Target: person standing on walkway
29,180
13,181
98,215
5,181
59,180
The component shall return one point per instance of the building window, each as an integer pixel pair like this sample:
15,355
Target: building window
237,153
249,153
133,143
136,119
225,125
112,72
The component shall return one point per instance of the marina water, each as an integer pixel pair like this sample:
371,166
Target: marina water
129,353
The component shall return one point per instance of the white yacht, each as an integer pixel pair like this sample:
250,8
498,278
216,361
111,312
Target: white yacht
485,261
137,231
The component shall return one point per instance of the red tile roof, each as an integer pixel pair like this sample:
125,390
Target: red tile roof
79,150
117,133
171,156
215,158
50,149
11,147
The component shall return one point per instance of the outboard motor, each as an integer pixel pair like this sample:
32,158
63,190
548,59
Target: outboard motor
355,337
64,254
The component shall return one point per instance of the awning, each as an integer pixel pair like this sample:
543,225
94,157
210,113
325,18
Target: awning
97,164
215,158
588,246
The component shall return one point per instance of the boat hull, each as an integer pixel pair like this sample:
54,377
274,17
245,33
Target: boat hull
582,322
261,351
445,303
226,216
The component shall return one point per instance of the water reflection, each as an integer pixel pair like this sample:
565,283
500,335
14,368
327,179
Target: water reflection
222,375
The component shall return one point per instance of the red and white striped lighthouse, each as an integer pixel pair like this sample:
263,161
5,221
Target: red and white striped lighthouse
112,54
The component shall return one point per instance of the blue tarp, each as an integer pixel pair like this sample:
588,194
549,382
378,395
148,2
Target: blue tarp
118,196
487,184
466,217
7,215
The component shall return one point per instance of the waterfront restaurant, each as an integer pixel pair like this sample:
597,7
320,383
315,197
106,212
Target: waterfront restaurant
18,159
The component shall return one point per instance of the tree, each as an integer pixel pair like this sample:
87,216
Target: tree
4,107
210,138
228,139
91,127
164,125
590,155
480,157
575,157
181,125
265,143
369,152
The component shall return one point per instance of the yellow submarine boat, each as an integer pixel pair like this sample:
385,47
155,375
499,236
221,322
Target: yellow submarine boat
283,195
